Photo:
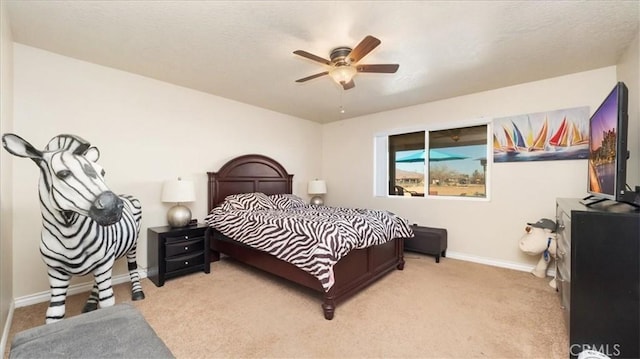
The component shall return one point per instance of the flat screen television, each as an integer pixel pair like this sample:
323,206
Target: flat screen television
608,151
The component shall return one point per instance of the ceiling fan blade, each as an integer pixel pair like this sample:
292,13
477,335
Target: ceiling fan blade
383,68
312,57
312,76
348,85
363,48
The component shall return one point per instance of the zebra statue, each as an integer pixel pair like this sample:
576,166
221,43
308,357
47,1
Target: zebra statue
85,226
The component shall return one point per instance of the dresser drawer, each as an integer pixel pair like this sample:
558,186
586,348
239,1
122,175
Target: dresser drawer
186,261
184,247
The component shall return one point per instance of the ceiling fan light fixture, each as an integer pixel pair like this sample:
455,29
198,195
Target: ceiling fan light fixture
344,63
342,74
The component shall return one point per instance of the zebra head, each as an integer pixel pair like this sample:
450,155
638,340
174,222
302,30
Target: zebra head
71,181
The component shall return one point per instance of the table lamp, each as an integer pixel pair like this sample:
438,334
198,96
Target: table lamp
178,191
317,188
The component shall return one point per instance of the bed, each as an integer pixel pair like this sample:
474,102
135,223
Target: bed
257,173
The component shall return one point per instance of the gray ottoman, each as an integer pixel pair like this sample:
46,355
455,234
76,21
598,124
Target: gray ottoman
115,332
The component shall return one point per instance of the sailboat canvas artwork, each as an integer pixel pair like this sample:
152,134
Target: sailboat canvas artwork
542,136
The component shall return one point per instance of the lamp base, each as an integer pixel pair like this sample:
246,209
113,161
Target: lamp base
317,200
179,216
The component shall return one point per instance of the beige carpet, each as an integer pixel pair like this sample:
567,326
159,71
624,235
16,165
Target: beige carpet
453,309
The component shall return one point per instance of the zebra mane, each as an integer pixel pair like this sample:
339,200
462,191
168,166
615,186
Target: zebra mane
68,142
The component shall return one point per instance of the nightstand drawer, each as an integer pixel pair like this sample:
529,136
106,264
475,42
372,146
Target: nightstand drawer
186,237
184,247
186,261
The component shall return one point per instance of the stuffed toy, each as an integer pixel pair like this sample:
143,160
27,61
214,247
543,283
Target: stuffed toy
540,239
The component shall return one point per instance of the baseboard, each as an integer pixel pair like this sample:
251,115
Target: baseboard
7,327
497,263
74,289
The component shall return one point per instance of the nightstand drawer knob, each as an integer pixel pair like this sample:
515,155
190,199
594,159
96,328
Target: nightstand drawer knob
186,248
186,237
186,262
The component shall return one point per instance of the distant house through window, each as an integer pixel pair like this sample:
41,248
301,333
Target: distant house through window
446,162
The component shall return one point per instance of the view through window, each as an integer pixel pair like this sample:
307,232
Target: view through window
457,161
406,165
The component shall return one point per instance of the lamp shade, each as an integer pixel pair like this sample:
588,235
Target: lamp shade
317,187
178,191
342,74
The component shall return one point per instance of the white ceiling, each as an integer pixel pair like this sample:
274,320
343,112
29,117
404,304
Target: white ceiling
243,50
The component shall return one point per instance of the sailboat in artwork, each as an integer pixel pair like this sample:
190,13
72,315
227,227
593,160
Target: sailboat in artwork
540,140
515,141
510,144
497,147
576,136
518,138
529,138
567,135
560,137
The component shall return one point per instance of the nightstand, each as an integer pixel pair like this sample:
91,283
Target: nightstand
172,252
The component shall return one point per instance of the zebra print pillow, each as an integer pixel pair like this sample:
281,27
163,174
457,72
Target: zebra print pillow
250,201
226,206
286,201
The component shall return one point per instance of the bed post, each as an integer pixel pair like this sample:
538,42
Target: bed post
329,305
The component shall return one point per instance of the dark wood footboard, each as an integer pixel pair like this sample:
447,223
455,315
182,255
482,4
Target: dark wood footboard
352,273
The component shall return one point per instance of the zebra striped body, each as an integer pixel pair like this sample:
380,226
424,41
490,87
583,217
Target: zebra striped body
85,227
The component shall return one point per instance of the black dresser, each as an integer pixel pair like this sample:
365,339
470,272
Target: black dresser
598,275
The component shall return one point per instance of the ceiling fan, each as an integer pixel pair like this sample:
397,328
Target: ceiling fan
343,64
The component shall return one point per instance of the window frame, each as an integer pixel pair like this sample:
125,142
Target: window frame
381,178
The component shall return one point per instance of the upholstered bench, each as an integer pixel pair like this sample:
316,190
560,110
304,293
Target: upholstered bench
115,332
428,240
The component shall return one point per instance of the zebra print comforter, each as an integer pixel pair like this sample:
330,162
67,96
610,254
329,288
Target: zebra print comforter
313,238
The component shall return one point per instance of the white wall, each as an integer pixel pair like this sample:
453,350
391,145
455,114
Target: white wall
147,131
6,123
629,73
486,231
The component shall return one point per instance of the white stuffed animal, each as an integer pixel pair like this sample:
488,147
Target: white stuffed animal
540,239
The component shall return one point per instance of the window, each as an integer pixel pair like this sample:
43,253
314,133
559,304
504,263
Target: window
406,164
456,164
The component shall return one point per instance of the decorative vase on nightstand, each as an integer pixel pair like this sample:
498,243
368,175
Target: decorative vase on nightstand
178,192
179,216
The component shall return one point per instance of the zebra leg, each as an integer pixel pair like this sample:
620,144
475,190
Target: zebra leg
136,287
92,302
102,276
59,283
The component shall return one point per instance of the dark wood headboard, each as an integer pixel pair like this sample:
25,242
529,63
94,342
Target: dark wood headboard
246,174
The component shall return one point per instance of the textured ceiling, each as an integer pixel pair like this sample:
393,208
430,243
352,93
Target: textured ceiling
243,50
